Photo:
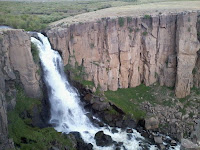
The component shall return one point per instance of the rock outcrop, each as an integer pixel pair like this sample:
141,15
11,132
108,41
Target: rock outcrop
128,51
16,67
187,47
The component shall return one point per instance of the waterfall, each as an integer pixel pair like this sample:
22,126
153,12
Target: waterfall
67,113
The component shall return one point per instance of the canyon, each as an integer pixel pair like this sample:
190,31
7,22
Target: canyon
128,51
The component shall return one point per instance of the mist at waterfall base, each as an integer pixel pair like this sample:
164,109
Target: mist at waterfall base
67,113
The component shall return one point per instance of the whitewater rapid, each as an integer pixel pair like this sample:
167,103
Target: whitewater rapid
67,113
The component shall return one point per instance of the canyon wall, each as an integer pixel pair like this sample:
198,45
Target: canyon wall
128,51
16,67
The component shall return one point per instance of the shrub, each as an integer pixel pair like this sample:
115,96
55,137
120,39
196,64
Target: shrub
130,29
189,29
35,53
92,45
147,16
145,33
121,21
129,19
105,6
198,35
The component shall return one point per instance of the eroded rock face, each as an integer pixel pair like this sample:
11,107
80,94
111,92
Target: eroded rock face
140,50
18,45
16,66
187,47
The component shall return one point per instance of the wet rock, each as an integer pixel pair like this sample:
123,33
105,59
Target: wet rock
114,130
97,122
103,139
119,123
119,144
130,123
161,147
129,131
151,123
81,145
54,148
158,139
173,143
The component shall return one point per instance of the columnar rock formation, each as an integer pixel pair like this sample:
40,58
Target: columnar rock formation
16,67
127,51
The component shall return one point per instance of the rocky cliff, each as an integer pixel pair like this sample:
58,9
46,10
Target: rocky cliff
16,67
122,52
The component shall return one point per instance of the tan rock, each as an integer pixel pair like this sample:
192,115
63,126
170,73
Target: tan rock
151,123
188,145
143,50
187,47
22,61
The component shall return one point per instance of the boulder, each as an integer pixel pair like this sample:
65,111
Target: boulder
158,139
88,98
130,123
129,131
103,139
188,145
151,123
100,106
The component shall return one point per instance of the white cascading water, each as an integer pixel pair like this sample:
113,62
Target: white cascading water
67,114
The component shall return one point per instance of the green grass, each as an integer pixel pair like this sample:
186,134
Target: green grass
27,137
129,99
35,16
35,53
88,83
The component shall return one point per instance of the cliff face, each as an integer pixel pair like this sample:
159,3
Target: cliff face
127,51
16,66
